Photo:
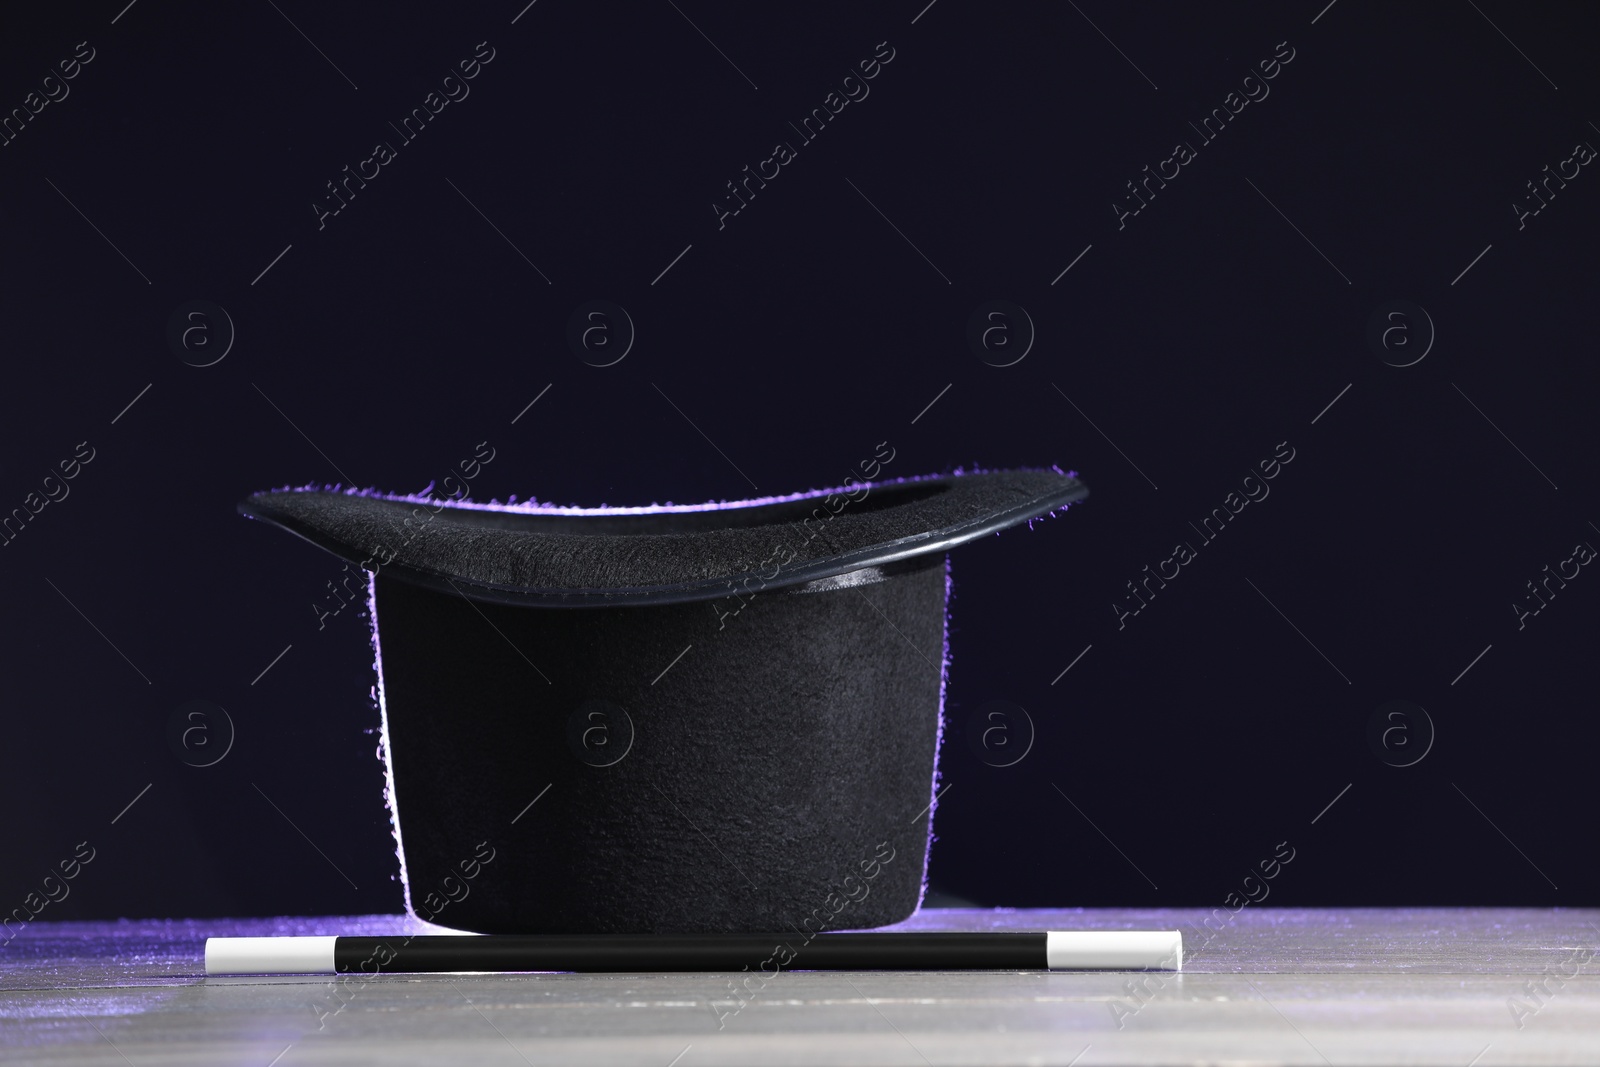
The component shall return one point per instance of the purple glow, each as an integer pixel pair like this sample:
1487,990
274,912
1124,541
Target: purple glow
531,505
389,800
938,738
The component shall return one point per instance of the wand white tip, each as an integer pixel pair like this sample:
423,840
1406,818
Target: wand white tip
1114,950
269,955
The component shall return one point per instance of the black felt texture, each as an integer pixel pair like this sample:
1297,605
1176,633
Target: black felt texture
789,749
542,553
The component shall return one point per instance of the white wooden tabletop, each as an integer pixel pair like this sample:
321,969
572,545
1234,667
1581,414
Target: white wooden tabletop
1321,986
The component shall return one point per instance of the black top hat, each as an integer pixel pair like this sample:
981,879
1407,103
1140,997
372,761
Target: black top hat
696,718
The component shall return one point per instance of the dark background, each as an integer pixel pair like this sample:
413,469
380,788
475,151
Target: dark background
1222,320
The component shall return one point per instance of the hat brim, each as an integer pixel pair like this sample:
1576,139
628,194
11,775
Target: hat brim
563,556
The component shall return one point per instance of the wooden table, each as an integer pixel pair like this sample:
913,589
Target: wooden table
1405,985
